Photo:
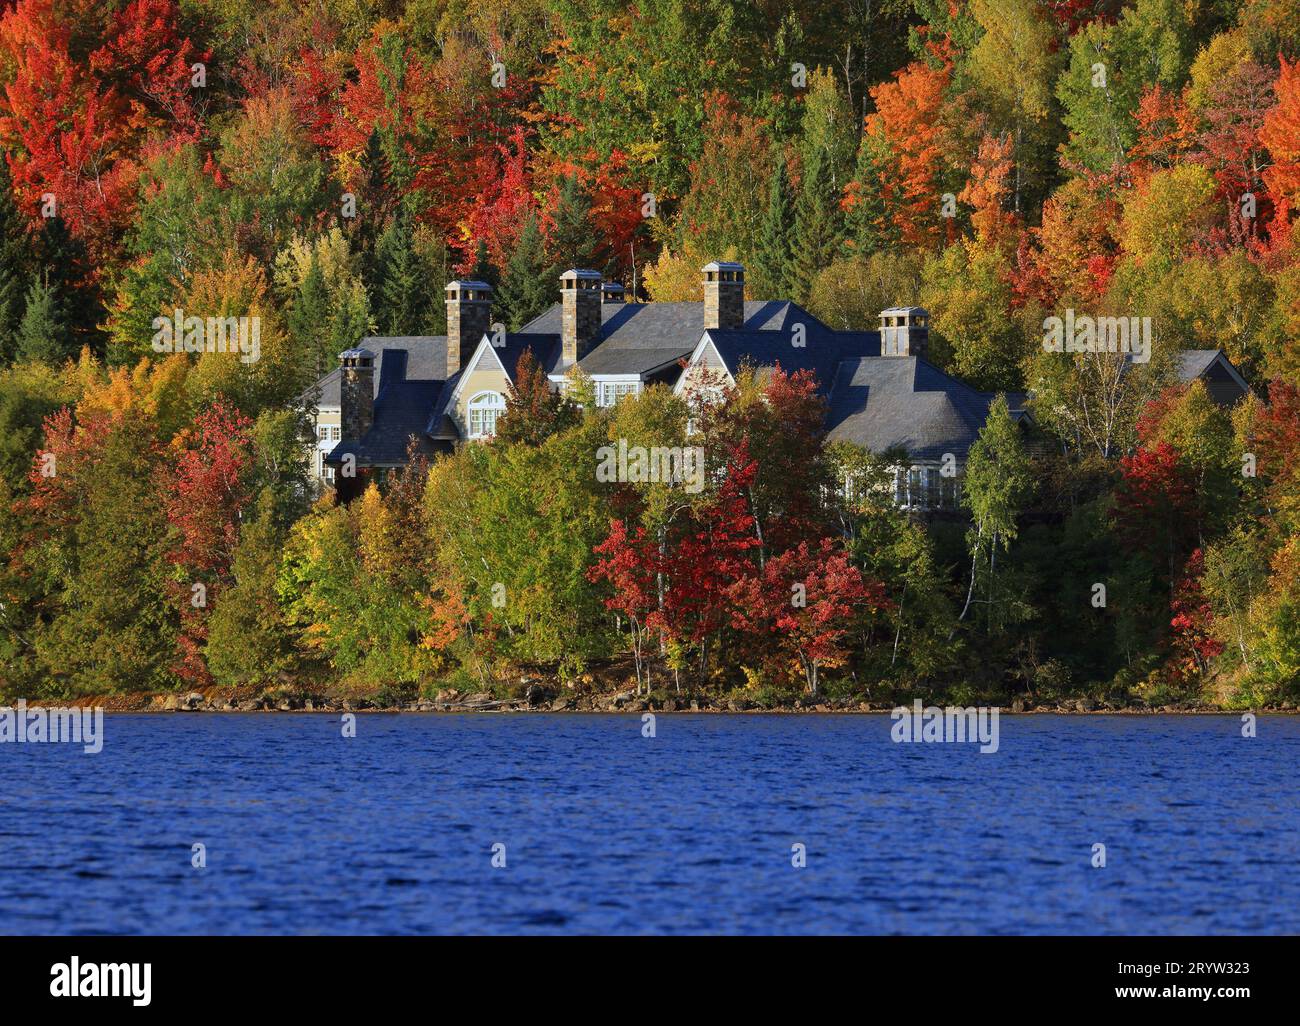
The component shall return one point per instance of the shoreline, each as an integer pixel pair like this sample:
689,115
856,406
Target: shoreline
619,704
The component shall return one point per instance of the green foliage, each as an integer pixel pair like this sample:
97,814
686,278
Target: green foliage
527,290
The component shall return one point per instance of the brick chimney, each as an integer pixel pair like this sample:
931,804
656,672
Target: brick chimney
357,393
469,315
724,295
580,301
904,331
610,292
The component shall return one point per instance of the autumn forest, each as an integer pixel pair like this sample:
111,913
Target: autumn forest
327,166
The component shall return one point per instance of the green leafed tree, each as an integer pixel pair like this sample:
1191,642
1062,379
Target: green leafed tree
998,482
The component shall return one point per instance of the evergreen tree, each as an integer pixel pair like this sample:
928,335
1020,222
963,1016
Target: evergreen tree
817,227
526,284
350,322
402,286
483,269
15,269
115,627
248,639
309,319
43,334
772,256
64,265
375,205
866,224
573,237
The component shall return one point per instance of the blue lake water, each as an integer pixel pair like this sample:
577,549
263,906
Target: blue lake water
606,831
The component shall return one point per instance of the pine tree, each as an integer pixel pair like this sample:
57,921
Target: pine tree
817,228
573,237
374,205
64,265
350,322
15,267
772,256
483,269
248,639
867,228
402,286
526,286
43,334
309,318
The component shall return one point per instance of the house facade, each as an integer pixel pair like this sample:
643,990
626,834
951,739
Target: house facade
435,392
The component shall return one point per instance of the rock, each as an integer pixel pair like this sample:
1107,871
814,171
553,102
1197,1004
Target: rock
284,705
670,705
171,703
346,705
193,701
446,695
249,706
482,698
560,704
309,705
1017,705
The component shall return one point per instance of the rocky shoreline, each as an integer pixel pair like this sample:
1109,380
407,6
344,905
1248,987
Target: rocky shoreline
541,700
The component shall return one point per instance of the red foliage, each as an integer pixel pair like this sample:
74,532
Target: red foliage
75,126
1155,503
806,599
208,492
705,563
1192,615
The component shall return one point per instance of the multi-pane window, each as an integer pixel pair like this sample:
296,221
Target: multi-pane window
925,488
484,409
336,433
610,392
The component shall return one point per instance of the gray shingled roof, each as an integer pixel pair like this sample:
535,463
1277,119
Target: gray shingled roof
881,403
426,359
642,337
408,381
822,351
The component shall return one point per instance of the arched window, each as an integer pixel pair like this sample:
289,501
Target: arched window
484,409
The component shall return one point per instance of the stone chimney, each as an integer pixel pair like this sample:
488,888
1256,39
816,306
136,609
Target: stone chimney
357,393
469,315
724,295
904,331
580,326
611,292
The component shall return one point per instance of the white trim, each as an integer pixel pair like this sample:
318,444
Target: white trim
1221,357
472,366
694,361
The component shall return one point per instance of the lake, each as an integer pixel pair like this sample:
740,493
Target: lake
690,831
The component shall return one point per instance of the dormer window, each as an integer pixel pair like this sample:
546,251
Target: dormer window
484,409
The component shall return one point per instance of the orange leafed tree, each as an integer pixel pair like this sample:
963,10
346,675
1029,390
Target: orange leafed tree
908,117
1281,134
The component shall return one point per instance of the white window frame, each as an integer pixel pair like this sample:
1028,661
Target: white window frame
610,390
482,413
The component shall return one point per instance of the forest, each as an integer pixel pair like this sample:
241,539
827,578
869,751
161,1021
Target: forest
326,166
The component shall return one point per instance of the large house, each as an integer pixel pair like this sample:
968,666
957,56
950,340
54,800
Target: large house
881,392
